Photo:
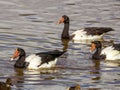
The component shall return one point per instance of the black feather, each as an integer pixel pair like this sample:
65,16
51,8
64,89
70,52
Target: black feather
116,47
97,30
46,57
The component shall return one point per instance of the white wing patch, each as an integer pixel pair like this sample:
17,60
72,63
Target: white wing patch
35,61
49,64
81,35
111,53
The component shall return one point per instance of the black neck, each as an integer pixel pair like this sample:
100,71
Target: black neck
20,63
97,53
65,33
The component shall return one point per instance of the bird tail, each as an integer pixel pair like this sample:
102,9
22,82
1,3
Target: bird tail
108,29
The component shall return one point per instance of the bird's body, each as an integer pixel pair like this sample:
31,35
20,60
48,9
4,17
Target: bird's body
76,87
37,60
111,52
90,33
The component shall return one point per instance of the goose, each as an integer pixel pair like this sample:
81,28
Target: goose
88,33
37,60
108,53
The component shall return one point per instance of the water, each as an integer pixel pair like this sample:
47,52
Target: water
31,24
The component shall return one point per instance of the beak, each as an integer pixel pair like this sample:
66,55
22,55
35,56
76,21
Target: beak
92,47
60,21
15,55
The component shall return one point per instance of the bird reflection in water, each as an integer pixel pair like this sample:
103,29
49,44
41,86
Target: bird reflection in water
19,77
96,70
65,43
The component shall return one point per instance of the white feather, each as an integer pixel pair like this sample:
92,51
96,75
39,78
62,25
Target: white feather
111,53
81,35
34,61
49,64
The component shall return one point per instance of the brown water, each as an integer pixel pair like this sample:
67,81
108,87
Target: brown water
31,24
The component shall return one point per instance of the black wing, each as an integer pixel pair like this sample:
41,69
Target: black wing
46,57
97,30
116,47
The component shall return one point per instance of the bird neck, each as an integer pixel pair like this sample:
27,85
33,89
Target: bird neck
20,63
97,53
65,33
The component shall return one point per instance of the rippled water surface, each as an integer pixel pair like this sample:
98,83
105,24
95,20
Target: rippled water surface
31,24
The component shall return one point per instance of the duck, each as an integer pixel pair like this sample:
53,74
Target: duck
37,60
75,87
88,33
111,53
6,85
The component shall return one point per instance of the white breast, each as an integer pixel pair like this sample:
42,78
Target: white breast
34,61
81,35
49,64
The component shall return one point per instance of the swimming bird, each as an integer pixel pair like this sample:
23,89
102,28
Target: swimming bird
37,60
108,53
88,33
76,87
6,85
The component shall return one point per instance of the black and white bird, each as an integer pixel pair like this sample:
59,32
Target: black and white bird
88,33
108,53
37,60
